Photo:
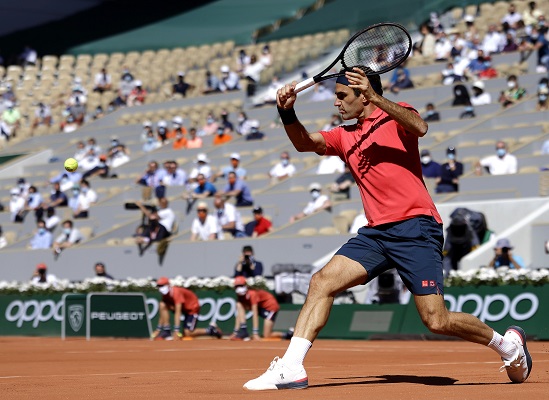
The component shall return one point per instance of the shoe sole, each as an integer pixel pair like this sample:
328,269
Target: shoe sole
300,384
522,334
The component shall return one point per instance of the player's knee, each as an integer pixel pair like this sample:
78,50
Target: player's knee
318,284
435,322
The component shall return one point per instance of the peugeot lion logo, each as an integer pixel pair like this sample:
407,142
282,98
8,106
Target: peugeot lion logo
76,316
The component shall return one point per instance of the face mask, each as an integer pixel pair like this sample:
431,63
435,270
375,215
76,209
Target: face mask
53,191
219,133
451,156
150,139
511,84
114,143
501,152
66,231
21,186
255,130
241,119
179,136
425,160
241,290
452,38
164,290
430,112
91,158
75,192
543,86
285,161
315,194
210,120
84,190
102,165
41,231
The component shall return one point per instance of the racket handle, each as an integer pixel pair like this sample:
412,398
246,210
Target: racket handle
307,83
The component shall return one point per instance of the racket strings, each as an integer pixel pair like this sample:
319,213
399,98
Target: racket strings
377,49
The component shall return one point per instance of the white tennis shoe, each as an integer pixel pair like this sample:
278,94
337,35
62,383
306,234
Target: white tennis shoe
279,376
519,367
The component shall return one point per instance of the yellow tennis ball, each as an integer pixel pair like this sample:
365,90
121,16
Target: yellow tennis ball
71,164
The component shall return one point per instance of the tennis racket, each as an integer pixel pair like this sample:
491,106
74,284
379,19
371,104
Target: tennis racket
376,50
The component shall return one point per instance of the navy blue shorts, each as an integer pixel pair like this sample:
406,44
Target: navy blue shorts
270,315
412,246
189,321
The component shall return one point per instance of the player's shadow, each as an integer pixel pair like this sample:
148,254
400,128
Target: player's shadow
420,380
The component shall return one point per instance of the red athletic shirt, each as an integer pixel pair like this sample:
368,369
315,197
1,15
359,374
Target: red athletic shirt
262,298
187,299
262,226
384,159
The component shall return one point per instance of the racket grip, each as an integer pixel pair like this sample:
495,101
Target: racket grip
307,83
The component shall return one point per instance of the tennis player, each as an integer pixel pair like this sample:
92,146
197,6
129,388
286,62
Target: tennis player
404,228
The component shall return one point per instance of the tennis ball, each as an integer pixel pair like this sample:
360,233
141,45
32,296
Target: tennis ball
71,164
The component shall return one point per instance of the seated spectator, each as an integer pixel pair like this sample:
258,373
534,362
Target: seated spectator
138,95
225,121
102,81
478,64
11,117
504,256
510,20
259,225
460,240
284,169
161,132
450,75
41,277
86,196
52,219
42,116
212,85
125,88
229,79
531,14
77,105
400,80
450,171
330,165
42,239
318,202
204,226
233,167
101,271
493,40
210,127
152,232
166,216
92,145
194,142
3,240
68,238
321,93
480,97
429,168
443,47
174,175
431,114
543,94
101,170
502,163
117,155
458,43
426,46
222,136
238,189
513,93
255,133
341,188
510,44
66,179
202,167
151,144
272,89
247,266
152,180
17,206
228,218
539,41
359,221
461,96
203,189
181,87
266,57
252,73
90,161
244,125
242,60
34,201
180,141
334,122
81,151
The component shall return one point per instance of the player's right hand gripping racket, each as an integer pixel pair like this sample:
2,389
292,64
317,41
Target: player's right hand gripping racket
376,50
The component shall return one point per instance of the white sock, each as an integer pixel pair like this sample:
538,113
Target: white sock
505,348
296,352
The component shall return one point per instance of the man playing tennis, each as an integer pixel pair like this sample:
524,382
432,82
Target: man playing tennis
404,228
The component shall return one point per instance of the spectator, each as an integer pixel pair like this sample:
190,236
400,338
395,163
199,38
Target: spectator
259,225
194,142
510,43
229,79
242,60
89,162
177,124
152,232
341,188
103,81
400,80
233,167
86,196
478,64
502,163
125,88
180,141
318,202
204,226
247,266
451,170
330,165
3,240
151,144
335,121
461,96
471,32
52,220
210,128
101,170
202,167
510,20
460,240
284,169
5,131
77,105
459,44
252,73
228,218
531,14
138,95
451,75
17,206
266,57
255,133
431,114
270,95
81,151
9,94
166,216
42,116
212,85
101,271
429,168
238,189
23,187
118,154
174,175
480,97
225,121
540,43
161,132
70,237
244,126
181,87
513,93
493,41
66,179
152,180
443,47
42,239
202,190
504,257
321,93
34,201
426,47
11,117
41,277
222,136
543,95
92,145
29,56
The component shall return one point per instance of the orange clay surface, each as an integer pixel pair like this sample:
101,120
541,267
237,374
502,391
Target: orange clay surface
49,368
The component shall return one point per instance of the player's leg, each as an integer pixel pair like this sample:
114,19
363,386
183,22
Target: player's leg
191,330
163,327
241,327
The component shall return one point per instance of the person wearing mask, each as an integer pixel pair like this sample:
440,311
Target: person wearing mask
244,126
151,144
502,163
284,169
181,87
480,97
431,114
543,95
194,142
513,93
222,136
429,168
17,206
42,239
334,121
161,131
68,238
229,81
238,189
504,256
450,171
255,133
318,202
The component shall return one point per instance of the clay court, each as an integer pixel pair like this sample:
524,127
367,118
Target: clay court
48,368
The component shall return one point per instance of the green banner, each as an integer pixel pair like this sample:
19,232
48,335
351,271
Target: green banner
74,315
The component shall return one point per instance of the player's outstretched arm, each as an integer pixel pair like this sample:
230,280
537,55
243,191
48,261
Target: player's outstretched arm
299,136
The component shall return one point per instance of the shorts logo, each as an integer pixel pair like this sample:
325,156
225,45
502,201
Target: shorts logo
432,283
76,316
424,283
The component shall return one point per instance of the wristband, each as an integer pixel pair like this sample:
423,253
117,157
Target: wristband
288,117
